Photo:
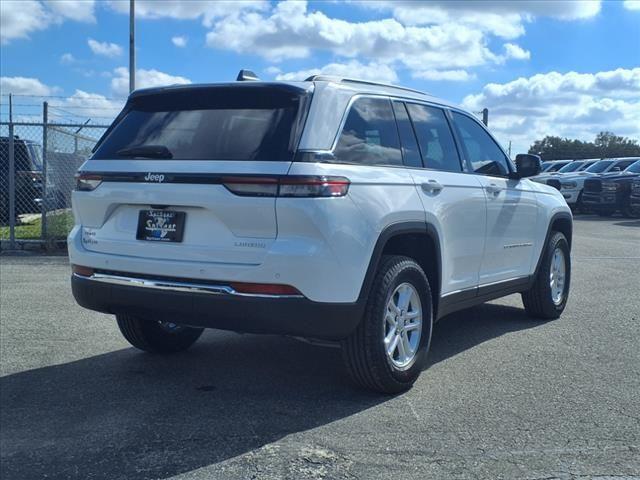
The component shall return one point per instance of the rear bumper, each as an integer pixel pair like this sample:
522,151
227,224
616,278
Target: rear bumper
223,310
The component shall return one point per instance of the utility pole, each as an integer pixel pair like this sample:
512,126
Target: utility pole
132,46
485,115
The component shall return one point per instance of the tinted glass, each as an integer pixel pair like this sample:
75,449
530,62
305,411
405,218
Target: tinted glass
410,151
21,155
483,153
434,137
599,167
634,168
624,164
585,165
557,166
370,135
210,124
570,167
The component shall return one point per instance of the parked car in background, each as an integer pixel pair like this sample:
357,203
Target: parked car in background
330,208
28,176
571,186
610,193
571,167
634,199
553,165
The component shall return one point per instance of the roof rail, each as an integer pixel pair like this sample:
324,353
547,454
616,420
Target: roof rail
332,78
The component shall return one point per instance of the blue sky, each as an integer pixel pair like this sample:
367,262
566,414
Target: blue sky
563,68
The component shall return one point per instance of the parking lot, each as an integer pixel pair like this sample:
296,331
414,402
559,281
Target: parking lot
504,396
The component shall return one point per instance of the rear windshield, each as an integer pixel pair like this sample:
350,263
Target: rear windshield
217,123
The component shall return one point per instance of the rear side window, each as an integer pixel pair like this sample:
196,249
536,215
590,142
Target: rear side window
434,137
410,151
483,153
625,164
369,135
219,123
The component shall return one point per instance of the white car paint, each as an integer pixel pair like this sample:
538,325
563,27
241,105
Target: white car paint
489,228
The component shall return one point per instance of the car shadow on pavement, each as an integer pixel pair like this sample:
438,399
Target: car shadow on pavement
466,329
130,415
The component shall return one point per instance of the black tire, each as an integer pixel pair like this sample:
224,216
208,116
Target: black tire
629,212
579,206
156,337
538,301
364,350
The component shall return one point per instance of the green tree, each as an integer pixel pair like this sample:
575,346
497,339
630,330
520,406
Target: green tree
605,145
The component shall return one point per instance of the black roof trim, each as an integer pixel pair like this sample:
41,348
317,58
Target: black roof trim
206,86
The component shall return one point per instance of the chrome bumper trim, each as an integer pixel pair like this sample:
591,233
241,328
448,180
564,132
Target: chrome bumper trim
175,286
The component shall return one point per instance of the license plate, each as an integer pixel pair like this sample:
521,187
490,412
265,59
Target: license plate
160,225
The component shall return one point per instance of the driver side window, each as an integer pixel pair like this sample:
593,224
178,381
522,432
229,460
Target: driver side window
483,154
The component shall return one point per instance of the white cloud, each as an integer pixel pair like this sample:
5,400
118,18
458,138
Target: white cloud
516,51
444,75
289,30
632,4
67,59
179,41
353,69
502,18
144,79
273,70
78,10
25,86
91,105
576,105
20,18
206,10
105,49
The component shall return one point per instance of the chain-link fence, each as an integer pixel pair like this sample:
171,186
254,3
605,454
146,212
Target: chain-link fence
38,162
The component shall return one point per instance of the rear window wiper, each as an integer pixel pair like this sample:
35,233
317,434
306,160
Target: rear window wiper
146,151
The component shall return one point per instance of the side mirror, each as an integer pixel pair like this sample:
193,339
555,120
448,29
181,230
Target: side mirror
527,165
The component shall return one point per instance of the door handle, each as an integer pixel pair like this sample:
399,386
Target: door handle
493,188
431,186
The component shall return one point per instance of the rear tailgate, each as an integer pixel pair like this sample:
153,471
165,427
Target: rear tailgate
170,153
219,226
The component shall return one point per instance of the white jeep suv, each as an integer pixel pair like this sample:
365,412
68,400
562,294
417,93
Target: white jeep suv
329,209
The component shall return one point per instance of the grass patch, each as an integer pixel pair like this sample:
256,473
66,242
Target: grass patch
59,225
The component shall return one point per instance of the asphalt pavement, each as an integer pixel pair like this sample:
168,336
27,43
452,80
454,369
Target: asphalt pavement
504,396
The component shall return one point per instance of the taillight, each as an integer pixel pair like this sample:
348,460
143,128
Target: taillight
290,186
265,289
86,182
252,186
82,271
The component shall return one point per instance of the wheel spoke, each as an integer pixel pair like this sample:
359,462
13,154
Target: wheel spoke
412,315
402,350
393,345
403,298
407,344
408,327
